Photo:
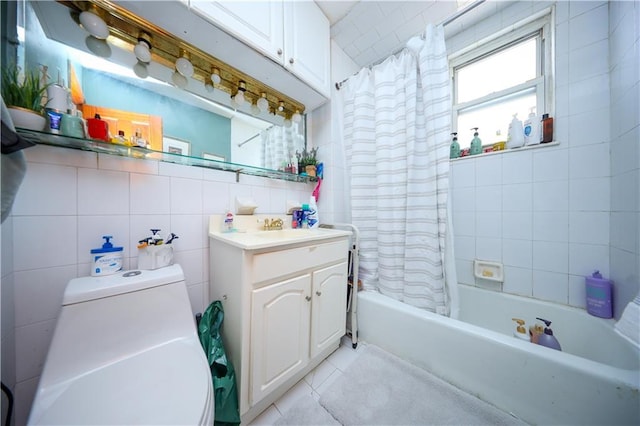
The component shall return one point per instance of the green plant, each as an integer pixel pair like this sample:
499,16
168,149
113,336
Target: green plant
307,158
24,93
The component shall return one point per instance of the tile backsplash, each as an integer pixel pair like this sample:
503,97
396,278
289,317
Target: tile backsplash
69,199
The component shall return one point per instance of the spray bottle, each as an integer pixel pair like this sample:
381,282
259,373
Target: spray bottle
476,143
454,151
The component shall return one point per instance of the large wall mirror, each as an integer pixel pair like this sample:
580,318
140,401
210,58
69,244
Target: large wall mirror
197,120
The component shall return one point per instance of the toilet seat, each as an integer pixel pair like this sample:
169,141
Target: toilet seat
127,358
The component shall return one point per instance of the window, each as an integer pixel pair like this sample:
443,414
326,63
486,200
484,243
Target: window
509,74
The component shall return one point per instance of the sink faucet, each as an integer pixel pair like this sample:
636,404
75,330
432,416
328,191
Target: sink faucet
274,224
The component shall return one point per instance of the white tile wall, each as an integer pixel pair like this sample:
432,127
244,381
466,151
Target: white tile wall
624,62
70,199
556,224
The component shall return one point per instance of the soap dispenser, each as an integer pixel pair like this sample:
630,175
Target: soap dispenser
547,338
454,151
476,143
532,129
520,332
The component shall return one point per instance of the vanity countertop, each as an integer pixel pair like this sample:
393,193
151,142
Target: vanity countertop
252,237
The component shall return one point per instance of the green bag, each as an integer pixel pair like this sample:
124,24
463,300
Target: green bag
222,372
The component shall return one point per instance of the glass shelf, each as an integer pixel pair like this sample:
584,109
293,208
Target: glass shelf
149,154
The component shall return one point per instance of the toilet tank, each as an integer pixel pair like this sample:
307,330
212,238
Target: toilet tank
84,289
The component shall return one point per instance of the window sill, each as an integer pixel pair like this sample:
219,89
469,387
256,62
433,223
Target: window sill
507,151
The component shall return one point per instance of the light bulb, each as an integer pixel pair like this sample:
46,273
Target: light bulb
286,123
94,25
184,66
263,103
239,98
209,87
281,106
140,69
98,46
296,117
215,76
255,110
142,51
179,80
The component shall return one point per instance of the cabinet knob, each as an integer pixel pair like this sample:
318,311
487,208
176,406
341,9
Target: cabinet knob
318,293
307,298
279,51
291,60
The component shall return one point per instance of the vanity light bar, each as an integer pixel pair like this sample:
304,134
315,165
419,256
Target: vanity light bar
167,49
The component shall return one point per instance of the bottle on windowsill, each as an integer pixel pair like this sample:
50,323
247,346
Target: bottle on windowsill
546,135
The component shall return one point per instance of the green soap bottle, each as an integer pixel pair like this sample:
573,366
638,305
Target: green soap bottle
455,147
476,143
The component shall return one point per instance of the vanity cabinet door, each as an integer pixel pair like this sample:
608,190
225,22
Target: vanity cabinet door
257,23
280,315
329,308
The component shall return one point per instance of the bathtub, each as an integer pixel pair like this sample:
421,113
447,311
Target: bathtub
594,380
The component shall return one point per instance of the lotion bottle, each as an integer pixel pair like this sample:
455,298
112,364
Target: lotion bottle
454,151
476,143
547,338
516,133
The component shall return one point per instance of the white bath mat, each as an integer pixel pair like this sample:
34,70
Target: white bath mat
382,389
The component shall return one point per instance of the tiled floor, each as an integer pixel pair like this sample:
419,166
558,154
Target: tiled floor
313,383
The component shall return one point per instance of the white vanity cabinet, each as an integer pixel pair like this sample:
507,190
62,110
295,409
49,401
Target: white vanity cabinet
285,311
294,34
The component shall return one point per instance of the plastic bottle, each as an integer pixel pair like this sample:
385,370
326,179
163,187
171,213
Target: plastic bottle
454,151
476,143
532,129
227,225
120,139
547,338
546,134
106,260
312,218
516,133
520,332
304,223
598,291
98,128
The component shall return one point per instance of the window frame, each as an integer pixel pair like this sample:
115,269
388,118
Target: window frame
540,26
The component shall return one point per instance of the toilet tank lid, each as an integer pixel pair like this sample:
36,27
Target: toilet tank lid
84,289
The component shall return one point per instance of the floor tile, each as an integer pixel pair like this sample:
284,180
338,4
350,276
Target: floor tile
288,399
267,417
319,374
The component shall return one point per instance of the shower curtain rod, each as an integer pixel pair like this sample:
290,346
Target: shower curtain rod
422,35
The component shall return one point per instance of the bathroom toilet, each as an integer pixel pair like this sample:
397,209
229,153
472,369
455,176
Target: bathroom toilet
125,350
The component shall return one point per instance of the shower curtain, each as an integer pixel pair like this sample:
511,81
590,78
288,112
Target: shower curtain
396,126
280,144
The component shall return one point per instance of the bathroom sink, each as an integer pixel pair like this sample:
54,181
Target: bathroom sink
259,239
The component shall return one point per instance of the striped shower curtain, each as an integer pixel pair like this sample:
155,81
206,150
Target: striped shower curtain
396,126
280,144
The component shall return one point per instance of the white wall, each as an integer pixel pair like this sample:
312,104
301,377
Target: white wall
323,131
69,199
547,213
624,62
